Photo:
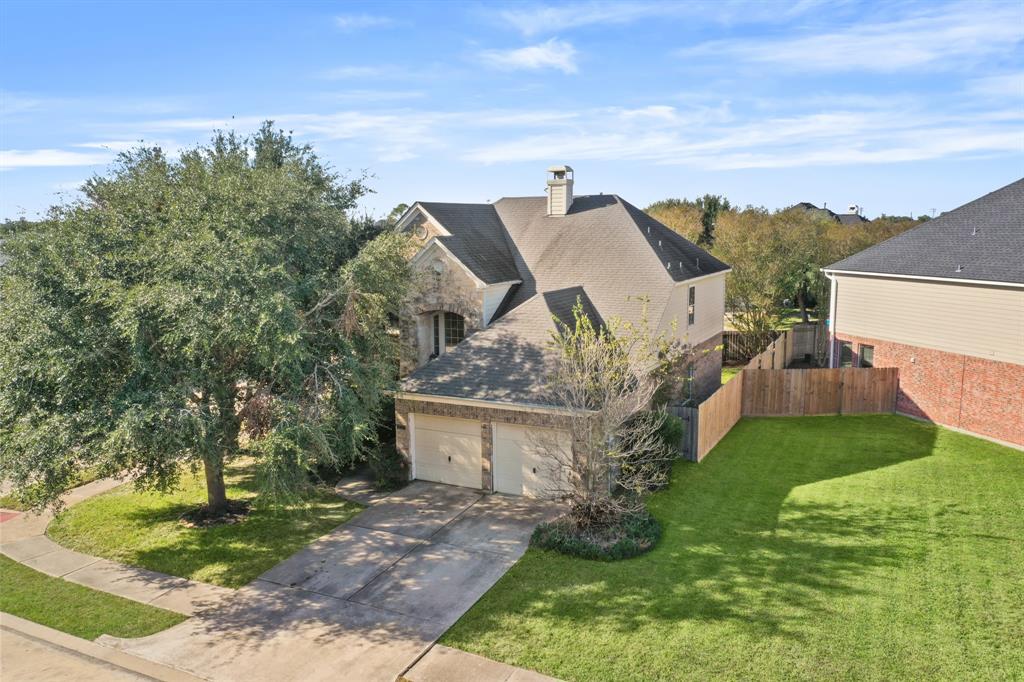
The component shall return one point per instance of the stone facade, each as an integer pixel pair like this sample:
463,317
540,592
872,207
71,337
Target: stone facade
441,285
484,414
982,396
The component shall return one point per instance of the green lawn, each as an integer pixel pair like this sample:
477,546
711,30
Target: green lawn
143,529
76,609
819,548
730,372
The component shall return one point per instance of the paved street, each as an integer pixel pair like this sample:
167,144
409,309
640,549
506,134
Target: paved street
24,658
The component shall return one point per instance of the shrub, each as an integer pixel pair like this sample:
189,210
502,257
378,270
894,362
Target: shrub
671,432
388,467
628,536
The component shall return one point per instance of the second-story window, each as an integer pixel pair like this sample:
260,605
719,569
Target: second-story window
454,329
691,306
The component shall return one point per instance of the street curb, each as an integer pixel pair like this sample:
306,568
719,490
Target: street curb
85,648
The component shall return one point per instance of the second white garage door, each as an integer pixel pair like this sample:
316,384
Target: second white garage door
446,450
520,465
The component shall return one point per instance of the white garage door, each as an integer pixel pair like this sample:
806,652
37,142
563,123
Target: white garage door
446,450
521,465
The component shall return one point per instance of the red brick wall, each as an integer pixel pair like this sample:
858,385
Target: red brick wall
978,395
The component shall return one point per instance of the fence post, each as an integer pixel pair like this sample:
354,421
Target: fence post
691,415
842,382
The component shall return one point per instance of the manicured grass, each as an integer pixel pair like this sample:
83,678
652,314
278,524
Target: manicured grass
819,548
144,529
76,609
730,372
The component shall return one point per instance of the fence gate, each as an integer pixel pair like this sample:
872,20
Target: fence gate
691,420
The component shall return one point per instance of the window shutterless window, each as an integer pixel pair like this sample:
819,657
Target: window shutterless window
437,336
846,354
867,356
454,329
691,305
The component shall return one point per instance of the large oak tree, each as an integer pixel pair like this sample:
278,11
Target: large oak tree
191,309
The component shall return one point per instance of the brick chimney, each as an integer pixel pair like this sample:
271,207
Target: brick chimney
559,190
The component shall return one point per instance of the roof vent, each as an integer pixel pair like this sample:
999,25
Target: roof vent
668,264
959,268
559,190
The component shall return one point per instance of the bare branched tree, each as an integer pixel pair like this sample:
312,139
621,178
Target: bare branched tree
603,378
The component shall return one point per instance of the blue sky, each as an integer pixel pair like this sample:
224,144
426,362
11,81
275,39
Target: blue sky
900,107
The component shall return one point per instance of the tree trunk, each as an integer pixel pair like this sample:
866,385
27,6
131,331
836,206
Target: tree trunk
801,301
216,495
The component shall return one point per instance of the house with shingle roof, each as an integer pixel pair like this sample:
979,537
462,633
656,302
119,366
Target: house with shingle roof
494,278
944,302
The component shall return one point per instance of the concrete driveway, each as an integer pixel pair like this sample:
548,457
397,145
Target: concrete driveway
362,602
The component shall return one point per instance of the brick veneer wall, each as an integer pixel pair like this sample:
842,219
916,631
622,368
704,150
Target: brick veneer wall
485,415
975,394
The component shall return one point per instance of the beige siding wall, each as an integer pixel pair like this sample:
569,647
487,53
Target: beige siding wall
709,315
493,296
972,319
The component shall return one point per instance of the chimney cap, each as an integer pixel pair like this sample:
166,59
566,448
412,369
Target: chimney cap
560,169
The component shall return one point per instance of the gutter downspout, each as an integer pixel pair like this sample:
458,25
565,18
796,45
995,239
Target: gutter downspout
831,317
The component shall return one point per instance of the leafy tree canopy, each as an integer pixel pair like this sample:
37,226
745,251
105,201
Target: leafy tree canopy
189,307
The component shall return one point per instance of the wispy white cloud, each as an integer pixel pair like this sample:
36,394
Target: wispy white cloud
711,140
551,54
111,145
355,22
355,72
953,35
374,95
541,19
39,158
1003,85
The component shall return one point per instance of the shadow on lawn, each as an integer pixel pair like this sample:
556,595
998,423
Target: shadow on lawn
734,547
237,552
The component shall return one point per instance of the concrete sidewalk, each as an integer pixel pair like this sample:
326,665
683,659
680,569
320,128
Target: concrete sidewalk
30,651
23,538
444,664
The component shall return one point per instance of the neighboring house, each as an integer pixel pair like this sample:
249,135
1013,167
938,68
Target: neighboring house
854,216
944,302
478,332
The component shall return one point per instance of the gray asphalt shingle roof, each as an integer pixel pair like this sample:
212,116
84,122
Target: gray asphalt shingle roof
981,240
478,239
604,250
506,362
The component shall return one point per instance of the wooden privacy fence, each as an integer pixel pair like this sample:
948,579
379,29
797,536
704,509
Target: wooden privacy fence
798,342
792,344
788,393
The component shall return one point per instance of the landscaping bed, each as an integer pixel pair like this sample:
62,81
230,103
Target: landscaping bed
847,548
629,537
75,609
154,530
